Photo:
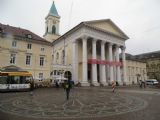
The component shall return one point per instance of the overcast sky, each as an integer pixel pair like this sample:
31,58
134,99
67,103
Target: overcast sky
139,19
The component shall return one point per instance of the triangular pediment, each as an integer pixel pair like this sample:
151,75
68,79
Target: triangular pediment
108,26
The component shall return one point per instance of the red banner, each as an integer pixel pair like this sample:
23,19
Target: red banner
104,62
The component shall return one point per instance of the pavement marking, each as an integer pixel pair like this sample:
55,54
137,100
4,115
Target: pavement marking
83,104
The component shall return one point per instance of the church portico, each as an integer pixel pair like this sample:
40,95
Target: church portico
97,69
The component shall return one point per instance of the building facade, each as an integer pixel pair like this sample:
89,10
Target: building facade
24,49
136,69
152,60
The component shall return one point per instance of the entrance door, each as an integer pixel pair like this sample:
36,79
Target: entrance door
68,75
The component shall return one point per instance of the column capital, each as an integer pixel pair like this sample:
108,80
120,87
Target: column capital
74,41
94,40
110,44
103,42
118,46
84,37
123,47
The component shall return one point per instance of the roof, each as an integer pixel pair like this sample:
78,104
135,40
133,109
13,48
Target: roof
109,21
53,10
12,68
87,24
154,54
21,33
14,71
131,57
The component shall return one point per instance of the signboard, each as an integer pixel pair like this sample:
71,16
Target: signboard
19,86
14,86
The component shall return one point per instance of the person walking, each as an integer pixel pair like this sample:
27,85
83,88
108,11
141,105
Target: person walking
67,87
140,83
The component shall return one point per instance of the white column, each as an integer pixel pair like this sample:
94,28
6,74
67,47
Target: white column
94,66
114,59
84,81
75,61
118,76
103,69
107,66
124,66
110,60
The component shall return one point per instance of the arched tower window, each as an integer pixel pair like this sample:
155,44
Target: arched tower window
47,30
63,56
57,57
53,29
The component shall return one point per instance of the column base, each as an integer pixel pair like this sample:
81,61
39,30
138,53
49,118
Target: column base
109,82
85,83
120,83
95,84
104,84
125,83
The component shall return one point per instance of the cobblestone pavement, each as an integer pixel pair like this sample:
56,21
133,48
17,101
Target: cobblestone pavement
84,103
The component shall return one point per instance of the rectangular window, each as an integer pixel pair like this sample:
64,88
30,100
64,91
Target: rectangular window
29,46
41,76
41,61
28,60
13,58
14,43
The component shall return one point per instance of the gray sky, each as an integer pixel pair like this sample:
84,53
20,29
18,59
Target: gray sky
139,19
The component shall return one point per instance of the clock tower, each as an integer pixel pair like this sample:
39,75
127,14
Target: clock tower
52,24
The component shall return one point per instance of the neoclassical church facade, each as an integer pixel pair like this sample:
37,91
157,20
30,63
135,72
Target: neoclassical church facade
89,52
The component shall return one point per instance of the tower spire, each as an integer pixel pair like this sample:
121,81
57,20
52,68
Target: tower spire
53,11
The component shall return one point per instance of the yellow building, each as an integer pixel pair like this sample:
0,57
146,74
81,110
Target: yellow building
152,60
136,69
24,49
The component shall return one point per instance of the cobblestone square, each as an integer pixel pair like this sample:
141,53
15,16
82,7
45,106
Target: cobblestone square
85,103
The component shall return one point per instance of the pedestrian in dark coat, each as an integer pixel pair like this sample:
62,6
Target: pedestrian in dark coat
67,87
